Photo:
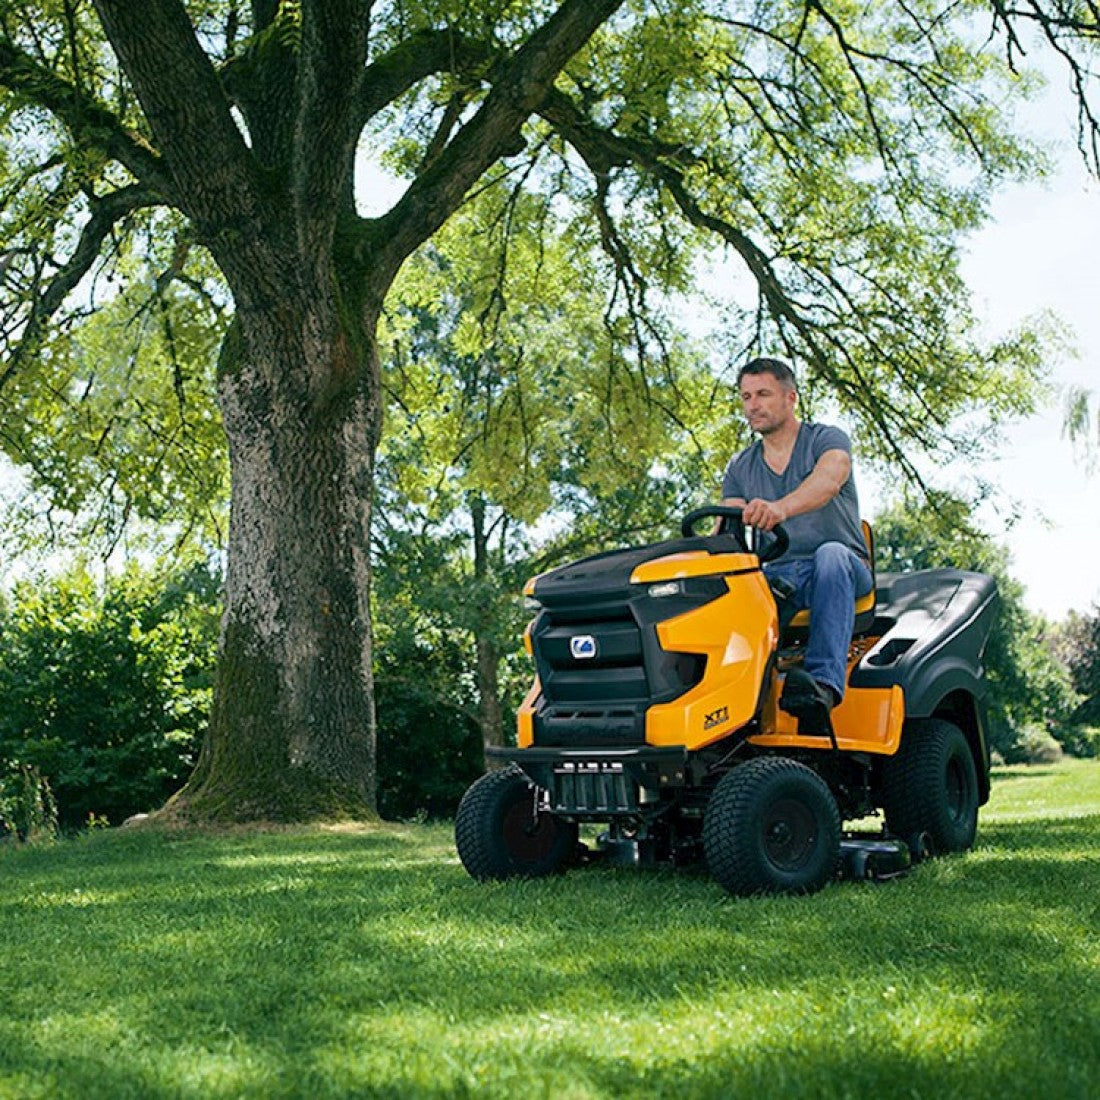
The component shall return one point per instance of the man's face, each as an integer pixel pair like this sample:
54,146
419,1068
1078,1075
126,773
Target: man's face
768,404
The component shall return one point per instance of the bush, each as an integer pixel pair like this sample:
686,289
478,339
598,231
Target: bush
105,689
1080,740
1036,746
429,740
105,692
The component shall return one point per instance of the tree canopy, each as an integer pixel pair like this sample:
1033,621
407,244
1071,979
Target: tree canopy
838,157
1076,644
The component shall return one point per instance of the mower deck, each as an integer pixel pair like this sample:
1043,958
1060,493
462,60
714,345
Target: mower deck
863,857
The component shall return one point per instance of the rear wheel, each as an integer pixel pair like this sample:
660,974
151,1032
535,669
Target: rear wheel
500,833
772,826
930,787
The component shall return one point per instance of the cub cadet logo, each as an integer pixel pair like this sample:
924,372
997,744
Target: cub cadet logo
582,646
716,718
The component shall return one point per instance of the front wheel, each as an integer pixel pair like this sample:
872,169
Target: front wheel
772,826
501,833
930,786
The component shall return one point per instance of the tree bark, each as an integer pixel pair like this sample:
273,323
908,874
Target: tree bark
292,734
490,713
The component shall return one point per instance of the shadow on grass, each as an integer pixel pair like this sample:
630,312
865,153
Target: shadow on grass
327,964
1057,837
1015,773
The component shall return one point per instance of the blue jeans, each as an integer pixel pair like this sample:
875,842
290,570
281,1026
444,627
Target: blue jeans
828,584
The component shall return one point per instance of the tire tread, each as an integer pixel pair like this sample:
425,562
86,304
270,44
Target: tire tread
913,784
482,849
729,821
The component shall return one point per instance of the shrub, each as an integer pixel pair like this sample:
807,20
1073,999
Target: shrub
429,740
1080,740
1036,746
104,689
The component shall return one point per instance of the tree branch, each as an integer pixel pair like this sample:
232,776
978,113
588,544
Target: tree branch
601,148
1061,24
107,212
188,112
330,75
520,86
418,56
91,125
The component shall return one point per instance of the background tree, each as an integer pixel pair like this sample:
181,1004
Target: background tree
1029,689
1076,644
519,430
429,737
1081,423
837,155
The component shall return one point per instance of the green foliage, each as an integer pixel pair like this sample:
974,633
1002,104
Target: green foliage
1027,686
27,806
819,150
105,690
501,384
362,961
429,741
118,423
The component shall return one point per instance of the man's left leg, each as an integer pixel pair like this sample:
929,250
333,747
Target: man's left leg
839,577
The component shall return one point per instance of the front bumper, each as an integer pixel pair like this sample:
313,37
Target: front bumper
592,782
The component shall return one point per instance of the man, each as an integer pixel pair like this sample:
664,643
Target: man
800,475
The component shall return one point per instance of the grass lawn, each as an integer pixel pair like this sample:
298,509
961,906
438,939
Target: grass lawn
364,962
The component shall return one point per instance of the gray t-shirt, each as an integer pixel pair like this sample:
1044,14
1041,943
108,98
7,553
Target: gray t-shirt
748,476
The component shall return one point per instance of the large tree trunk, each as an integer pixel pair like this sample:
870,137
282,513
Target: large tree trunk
292,733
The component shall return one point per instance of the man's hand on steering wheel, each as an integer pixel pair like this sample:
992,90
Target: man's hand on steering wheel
764,514
732,522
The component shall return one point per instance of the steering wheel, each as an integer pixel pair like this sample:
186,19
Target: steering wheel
733,524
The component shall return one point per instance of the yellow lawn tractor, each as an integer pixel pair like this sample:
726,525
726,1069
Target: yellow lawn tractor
655,713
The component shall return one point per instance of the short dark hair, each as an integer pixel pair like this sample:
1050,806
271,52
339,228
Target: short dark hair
779,370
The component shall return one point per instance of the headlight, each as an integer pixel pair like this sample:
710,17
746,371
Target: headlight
666,588
531,604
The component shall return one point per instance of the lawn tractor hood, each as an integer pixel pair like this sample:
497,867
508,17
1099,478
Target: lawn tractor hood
607,582
595,643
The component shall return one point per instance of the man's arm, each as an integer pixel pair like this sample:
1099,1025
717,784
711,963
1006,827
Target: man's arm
823,483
